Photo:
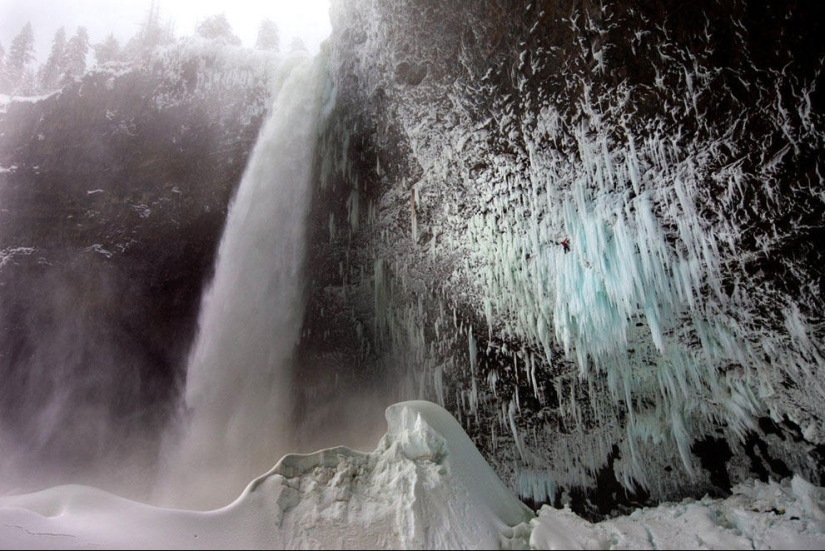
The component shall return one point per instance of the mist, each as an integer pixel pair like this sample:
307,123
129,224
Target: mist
77,402
307,21
108,232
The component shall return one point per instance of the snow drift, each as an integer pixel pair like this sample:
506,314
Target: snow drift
425,486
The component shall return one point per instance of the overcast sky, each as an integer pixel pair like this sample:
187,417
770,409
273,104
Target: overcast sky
306,19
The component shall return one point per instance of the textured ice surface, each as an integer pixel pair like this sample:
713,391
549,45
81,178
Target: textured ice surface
688,306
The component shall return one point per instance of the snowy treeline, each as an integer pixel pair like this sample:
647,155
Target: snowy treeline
69,56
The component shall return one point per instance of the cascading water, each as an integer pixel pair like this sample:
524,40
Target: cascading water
237,399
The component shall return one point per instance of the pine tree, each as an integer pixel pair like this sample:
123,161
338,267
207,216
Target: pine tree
151,35
51,72
74,61
28,83
2,64
108,50
217,27
269,37
17,68
297,45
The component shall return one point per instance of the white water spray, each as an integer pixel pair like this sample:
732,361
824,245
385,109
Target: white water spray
238,376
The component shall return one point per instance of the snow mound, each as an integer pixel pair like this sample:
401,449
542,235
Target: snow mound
425,486
772,515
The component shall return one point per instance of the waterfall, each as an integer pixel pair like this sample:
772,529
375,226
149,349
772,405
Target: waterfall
237,398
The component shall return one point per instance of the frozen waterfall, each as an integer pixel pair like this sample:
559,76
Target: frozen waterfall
237,399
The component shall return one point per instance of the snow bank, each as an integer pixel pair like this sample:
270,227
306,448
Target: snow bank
425,486
787,515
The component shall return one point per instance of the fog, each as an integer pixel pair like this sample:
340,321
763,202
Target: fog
86,393
307,20
95,389
74,403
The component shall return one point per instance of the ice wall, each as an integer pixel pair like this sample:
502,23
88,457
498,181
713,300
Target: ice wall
651,303
688,185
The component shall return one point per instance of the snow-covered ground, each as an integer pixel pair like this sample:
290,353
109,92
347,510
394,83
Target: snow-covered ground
425,486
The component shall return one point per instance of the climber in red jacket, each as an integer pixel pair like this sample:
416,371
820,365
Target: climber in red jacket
566,245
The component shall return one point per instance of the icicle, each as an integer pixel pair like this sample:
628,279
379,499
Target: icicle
472,351
352,210
381,302
511,412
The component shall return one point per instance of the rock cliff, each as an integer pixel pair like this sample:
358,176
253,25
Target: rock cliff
676,146
114,191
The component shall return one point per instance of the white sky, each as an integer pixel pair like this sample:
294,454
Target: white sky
306,19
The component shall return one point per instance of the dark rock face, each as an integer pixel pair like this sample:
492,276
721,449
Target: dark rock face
114,192
678,146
